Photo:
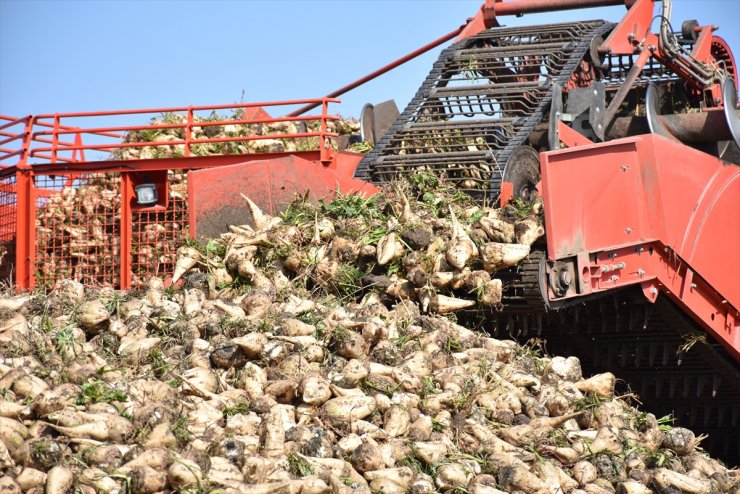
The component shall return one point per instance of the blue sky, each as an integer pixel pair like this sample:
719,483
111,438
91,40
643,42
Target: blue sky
62,56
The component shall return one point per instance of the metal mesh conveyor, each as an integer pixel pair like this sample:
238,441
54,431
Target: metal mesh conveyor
480,102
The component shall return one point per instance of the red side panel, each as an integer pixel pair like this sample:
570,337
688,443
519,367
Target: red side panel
615,199
641,189
215,193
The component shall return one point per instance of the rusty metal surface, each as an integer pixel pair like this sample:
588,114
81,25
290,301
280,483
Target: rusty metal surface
215,194
710,126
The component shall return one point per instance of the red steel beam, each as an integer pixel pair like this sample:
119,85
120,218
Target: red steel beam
35,152
381,71
486,17
184,125
126,226
154,164
25,249
520,7
12,121
11,139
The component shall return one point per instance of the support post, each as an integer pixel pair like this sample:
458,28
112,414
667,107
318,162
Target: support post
127,190
25,215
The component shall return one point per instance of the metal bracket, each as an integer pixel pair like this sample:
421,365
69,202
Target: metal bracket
556,109
561,279
569,277
597,110
584,273
583,107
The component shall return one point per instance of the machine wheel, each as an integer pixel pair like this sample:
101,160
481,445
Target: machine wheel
523,171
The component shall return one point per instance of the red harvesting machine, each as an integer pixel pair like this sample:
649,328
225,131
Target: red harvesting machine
632,138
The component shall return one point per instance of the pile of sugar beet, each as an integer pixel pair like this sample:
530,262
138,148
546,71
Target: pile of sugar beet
319,352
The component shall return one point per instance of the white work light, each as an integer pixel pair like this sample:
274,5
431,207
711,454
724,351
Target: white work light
146,194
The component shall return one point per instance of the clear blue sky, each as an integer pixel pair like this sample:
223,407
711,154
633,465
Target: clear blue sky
61,56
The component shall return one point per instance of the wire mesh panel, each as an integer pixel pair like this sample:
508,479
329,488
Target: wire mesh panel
8,212
158,232
78,229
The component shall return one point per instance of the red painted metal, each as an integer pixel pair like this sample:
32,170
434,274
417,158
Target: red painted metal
25,213
485,18
126,234
521,7
215,194
24,229
324,146
255,106
46,144
702,49
627,212
12,146
507,192
632,31
723,55
633,36
45,161
571,138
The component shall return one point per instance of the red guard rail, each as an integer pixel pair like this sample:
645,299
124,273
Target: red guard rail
67,205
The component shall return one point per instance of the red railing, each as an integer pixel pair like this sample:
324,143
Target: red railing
64,137
67,206
12,140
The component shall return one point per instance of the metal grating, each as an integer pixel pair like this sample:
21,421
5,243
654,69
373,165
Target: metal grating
78,221
156,234
78,230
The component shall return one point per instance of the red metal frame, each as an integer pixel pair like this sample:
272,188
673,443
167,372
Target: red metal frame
127,197
633,31
633,36
485,18
571,138
649,211
41,139
35,149
52,153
